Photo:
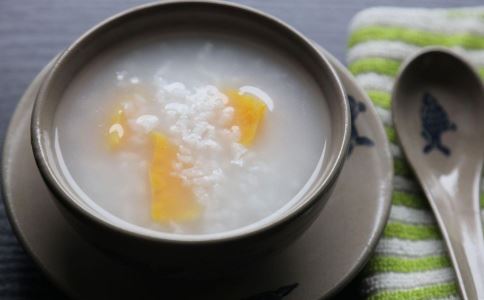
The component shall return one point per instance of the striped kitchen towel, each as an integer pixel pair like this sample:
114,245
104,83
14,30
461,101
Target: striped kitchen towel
410,260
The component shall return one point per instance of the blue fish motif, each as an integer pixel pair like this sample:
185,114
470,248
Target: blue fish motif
278,294
357,107
435,121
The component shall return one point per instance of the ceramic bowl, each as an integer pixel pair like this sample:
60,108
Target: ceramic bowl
185,255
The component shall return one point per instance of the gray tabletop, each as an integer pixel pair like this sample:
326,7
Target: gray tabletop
34,31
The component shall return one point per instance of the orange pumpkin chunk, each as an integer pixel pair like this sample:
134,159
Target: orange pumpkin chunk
171,200
249,112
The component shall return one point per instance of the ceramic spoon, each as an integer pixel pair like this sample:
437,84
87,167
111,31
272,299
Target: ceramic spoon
438,111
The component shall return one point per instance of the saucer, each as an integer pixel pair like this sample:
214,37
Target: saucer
328,255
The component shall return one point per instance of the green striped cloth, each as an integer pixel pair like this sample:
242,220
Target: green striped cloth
410,260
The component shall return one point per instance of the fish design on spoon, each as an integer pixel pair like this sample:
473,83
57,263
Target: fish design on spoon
435,121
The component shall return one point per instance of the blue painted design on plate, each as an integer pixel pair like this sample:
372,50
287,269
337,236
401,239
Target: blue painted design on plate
357,107
435,121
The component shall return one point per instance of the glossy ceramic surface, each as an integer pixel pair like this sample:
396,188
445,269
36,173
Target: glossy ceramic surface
209,254
438,108
320,263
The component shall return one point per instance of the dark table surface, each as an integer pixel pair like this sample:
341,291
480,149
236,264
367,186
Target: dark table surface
34,31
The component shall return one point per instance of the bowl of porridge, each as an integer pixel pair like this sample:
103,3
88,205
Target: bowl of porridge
191,135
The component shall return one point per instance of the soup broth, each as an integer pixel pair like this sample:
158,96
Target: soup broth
191,134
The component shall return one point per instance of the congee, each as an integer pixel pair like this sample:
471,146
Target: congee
191,134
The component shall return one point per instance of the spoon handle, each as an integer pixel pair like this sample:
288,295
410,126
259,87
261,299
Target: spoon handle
462,230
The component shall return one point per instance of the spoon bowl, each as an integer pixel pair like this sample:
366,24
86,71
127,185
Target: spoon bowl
438,111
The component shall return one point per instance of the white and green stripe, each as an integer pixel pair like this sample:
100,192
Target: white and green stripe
434,292
405,248
411,215
412,199
410,261
422,278
380,85
387,66
416,37
434,21
399,51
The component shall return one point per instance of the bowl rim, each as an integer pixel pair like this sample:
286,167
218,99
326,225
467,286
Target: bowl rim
40,149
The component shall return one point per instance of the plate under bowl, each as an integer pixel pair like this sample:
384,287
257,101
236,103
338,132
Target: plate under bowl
321,262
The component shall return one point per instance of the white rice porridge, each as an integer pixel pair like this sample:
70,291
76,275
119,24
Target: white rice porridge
191,134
